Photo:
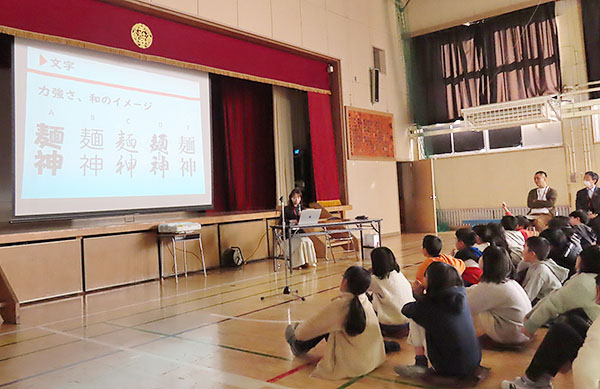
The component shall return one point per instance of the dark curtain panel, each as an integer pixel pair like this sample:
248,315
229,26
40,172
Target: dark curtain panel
463,70
590,10
243,145
505,58
428,102
523,54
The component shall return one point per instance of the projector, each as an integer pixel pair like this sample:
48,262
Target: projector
179,228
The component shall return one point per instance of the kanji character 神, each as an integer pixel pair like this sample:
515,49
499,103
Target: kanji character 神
52,162
94,164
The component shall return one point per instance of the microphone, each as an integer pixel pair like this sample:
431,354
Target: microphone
281,199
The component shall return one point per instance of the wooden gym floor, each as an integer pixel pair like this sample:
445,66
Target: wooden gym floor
212,332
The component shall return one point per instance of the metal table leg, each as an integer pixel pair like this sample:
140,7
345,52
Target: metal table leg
202,253
161,256
290,251
175,258
184,259
362,249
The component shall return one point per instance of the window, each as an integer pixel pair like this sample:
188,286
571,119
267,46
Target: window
510,138
468,141
438,144
379,60
505,137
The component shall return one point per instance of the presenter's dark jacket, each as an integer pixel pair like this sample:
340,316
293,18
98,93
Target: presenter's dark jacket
583,201
550,202
292,213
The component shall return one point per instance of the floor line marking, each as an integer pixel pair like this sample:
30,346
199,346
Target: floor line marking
225,377
255,320
84,315
351,382
290,372
139,303
150,331
254,311
200,341
401,382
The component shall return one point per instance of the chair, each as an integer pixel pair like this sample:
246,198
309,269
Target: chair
337,236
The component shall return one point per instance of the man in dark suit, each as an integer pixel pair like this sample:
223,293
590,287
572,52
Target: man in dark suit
588,199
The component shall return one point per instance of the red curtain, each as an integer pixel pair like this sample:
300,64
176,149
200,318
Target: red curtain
323,147
243,145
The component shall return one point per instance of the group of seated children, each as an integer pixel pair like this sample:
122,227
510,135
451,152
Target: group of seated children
437,311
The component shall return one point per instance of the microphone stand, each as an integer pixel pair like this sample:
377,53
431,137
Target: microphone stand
288,261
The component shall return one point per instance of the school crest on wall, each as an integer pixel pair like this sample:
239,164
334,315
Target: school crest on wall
141,35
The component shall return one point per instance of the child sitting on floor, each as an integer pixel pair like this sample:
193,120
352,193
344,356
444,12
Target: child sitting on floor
390,291
575,303
579,220
562,250
432,247
523,224
349,325
465,239
499,303
585,368
482,237
514,238
543,275
444,330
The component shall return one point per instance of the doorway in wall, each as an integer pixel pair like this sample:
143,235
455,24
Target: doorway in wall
417,196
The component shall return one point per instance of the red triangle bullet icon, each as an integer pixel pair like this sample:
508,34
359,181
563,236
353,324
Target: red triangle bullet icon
42,60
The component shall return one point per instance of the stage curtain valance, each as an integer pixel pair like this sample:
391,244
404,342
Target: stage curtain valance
101,26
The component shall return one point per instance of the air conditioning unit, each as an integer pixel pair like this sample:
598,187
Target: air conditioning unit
513,113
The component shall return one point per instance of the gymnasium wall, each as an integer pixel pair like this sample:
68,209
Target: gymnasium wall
484,181
348,30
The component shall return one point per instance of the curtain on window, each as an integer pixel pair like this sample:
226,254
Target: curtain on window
505,58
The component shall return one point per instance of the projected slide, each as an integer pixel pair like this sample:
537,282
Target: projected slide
96,132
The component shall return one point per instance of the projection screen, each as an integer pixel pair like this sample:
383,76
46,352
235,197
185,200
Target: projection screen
96,132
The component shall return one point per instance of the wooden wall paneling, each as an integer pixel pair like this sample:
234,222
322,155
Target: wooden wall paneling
248,236
120,259
43,270
209,236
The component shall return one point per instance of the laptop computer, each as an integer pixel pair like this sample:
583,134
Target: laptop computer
309,216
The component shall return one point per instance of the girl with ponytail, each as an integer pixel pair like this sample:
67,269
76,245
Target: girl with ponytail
350,327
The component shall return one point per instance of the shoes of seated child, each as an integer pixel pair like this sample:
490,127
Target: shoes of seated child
290,337
410,371
391,346
526,383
